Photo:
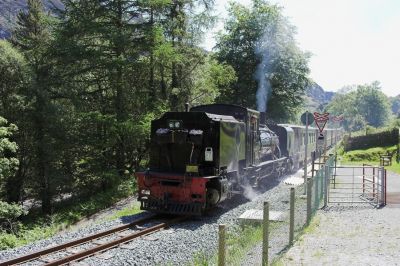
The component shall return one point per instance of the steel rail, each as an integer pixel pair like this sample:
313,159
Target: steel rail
73,243
116,242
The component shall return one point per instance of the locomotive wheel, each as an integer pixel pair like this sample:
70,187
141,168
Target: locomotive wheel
212,197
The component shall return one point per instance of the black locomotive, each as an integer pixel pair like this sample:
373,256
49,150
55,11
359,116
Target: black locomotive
199,158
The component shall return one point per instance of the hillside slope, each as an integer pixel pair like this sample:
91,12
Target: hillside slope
9,10
316,96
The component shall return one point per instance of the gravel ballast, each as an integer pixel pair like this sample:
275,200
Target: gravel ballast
175,246
367,228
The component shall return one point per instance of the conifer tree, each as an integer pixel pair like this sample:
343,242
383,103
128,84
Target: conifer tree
32,37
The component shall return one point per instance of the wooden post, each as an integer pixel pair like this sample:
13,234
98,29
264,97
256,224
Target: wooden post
326,185
305,153
309,187
373,182
312,164
316,196
384,178
265,234
363,182
221,245
291,224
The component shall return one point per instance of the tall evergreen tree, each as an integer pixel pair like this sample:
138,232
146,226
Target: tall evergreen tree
15,75
32,37
8,148
102,47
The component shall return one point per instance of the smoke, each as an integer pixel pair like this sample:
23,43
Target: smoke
265,48
249,193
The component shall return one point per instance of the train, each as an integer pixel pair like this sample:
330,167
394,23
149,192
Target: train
202,156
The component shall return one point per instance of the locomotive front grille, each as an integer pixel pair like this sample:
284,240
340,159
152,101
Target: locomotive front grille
194,208
170,183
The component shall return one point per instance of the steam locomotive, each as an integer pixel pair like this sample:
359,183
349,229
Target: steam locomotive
201,157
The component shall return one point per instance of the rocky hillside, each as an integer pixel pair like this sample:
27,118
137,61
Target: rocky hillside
9,10
317,96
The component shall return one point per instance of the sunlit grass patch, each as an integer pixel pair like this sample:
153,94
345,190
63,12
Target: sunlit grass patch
37,226
127,211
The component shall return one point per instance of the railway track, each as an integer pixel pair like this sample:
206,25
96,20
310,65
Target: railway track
80,249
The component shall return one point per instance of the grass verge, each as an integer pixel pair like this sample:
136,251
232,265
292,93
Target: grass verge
370,156
238,243
128,211
35,226
395,167
283,258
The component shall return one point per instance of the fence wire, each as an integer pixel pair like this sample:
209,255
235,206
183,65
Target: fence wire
243,245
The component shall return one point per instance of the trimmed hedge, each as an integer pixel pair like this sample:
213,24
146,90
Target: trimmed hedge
382,139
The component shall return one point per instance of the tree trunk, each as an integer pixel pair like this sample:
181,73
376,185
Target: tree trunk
42,162
120,97
14,187
152,88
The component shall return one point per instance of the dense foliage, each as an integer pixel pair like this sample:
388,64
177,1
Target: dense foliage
362,105
8,148
259,44
83,85
395,103
84,82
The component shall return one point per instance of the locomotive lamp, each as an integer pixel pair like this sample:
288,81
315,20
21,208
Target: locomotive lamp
174,124
208,154
190,168
145,192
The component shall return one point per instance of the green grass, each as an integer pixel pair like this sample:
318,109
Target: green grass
314,224
128,211
369,156
395,167
282,259
36,226
238,244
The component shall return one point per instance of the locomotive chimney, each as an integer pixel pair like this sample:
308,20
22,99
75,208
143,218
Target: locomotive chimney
263,118
186,107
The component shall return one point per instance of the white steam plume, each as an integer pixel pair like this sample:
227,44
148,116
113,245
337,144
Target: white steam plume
248,192
265,49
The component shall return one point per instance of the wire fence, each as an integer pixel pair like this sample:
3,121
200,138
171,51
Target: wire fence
243,247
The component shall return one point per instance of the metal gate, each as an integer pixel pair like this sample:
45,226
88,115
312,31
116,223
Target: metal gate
356,185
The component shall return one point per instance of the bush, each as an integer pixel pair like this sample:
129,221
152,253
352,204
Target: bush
9,214
8,241
369,154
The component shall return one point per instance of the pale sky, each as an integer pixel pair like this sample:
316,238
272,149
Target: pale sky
351,41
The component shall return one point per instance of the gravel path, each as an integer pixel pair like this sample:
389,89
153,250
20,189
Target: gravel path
349,236
346,235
